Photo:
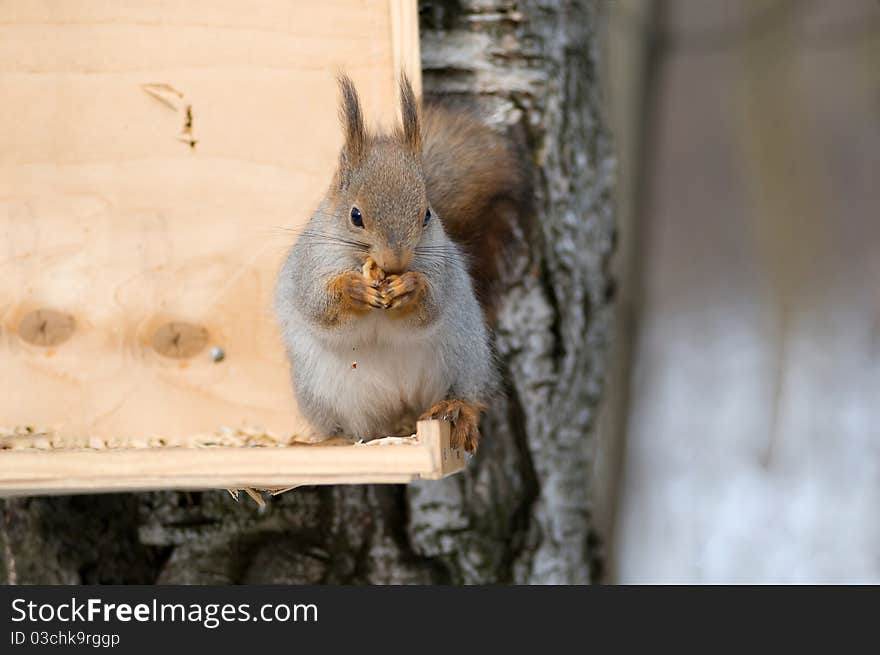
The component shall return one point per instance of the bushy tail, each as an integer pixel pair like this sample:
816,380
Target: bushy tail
479,186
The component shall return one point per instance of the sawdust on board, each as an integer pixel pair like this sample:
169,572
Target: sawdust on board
32,438
29,437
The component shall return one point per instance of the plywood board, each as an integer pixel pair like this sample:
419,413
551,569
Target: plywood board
156,160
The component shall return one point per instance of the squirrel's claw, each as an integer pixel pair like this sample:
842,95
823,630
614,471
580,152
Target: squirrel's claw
465,419
400,290
366,294
357,292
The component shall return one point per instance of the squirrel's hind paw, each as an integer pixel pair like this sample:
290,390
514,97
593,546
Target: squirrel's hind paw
465,419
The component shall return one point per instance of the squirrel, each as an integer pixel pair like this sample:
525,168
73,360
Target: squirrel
377,299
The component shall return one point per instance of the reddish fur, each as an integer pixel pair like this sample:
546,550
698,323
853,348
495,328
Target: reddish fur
351,293
465,418
480,190
403,293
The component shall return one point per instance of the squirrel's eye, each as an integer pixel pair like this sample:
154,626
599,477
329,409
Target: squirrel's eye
427,217
357,219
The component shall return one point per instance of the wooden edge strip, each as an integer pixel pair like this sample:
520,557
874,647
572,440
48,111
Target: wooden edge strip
445,460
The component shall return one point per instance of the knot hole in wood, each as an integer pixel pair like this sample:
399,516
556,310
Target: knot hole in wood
180,340
46,327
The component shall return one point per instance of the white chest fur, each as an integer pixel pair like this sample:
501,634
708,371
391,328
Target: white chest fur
373,374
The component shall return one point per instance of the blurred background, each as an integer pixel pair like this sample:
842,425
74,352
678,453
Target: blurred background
748,371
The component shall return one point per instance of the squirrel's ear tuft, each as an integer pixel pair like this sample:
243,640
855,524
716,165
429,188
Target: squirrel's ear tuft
352,119
409,110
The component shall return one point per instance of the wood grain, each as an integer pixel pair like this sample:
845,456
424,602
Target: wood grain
155,163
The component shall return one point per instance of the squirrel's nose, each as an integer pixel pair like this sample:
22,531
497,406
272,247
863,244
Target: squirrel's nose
393,262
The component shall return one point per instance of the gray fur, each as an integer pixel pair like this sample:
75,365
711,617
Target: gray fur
404,365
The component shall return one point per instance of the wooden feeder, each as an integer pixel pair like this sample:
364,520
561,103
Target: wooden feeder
155,164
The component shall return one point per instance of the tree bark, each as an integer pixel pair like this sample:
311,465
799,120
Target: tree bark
521,512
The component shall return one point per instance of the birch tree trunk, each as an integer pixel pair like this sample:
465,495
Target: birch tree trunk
521,512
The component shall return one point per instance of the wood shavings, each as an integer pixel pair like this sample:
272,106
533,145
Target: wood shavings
165,93
28,437
174,99
281,490
382,441
390,441
254,493
255,496
315,440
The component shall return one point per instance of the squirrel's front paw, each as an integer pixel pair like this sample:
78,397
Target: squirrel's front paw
400,291
465,419
357,292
